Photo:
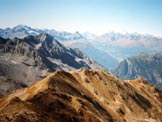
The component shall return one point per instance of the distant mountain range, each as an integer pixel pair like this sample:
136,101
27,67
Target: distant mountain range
147,66
33,57
21,31
81,41
114,47
122,46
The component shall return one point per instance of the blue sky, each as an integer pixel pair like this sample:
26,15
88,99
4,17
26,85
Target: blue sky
96,16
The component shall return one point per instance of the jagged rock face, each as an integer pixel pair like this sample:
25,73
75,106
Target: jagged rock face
83,96
44,47
29,59
147,66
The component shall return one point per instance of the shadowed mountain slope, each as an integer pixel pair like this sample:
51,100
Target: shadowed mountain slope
147,66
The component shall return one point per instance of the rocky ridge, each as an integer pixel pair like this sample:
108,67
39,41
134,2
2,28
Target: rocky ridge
84,95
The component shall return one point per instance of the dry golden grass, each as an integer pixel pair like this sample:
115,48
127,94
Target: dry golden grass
84,96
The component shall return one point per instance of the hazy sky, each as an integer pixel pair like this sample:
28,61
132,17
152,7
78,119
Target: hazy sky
96,16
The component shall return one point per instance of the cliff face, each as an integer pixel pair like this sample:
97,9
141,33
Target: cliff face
147,66
83,96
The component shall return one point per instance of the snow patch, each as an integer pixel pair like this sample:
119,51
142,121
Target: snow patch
38,45
33,32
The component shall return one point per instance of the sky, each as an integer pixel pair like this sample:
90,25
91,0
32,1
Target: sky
95,16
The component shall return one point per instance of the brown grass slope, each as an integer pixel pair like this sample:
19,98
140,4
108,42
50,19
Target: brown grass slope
83,96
